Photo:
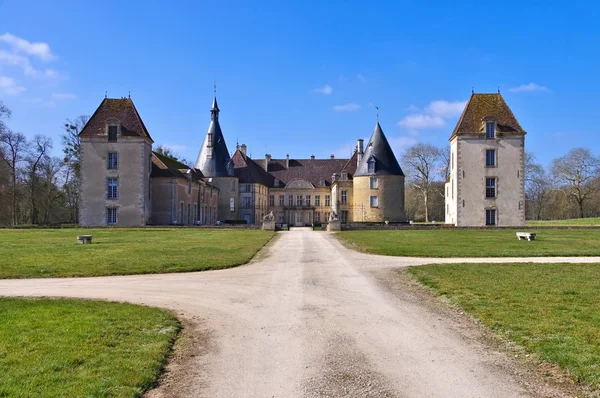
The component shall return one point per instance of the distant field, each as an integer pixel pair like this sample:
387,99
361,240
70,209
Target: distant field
591,221
34,253
78,348
549,309
475,243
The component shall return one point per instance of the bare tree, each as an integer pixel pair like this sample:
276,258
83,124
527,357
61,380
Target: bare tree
72,152
14,147
40,146
4,114
421,163
537,186
165,151
575,173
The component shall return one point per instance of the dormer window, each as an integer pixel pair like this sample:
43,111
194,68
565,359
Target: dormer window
344,176
276,183
112,133
322,182
371,166
490,129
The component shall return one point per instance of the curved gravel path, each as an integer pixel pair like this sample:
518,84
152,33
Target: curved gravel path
309,318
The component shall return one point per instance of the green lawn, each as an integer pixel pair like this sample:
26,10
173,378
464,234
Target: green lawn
78,348
590,221
475,243
550,309
34,253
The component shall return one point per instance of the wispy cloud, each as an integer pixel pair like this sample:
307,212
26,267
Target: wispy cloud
360,77
10,86
434,115
37,49
346,108
63,96
399,144
527,88
8,58
326,90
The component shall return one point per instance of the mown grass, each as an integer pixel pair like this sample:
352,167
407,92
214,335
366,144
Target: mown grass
475,243
590,221
55,252
78,348
549,309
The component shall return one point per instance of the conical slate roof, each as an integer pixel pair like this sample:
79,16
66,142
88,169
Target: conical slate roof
214,160
380,151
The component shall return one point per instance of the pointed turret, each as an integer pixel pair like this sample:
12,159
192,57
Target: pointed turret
213,158
378,157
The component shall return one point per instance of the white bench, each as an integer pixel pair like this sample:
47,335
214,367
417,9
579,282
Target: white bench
525,235
84,239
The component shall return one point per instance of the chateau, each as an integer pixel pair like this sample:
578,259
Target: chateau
487,165
125,183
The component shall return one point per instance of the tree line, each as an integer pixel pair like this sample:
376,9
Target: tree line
568,188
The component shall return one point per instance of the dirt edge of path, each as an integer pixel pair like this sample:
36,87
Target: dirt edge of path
538,378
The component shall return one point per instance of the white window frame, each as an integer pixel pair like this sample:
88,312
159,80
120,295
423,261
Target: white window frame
374,201
344,197
494,220
494,158
494,187
317,200
328,200
112,189
109,216
374,183
490,129
112,161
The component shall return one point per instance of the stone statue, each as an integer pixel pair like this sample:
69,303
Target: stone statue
333,216
269,217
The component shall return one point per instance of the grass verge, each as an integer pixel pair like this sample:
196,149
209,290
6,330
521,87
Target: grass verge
549,309
475,243
56,253
590,221
79,348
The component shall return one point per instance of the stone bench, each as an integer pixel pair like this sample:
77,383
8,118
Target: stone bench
525,235
84,239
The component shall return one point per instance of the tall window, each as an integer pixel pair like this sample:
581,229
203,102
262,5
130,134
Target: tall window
317,217
308,200
112,133
490,187
490,216
181,212
112,187
327,200
233,185
318,200
113,160
271,200
111,215
344,216
373,182
374,200
490,157
281,200
299,200
490,129
371,166
344,176
290,200
344,197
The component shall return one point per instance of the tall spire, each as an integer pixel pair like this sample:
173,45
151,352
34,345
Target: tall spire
378,152
213,159
214,110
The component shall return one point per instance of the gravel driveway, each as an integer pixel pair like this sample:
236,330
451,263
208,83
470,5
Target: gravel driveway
309,318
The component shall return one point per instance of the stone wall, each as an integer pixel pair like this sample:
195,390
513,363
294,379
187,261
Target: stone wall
390,194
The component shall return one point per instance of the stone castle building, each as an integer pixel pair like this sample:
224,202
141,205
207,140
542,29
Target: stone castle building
125,183
487,155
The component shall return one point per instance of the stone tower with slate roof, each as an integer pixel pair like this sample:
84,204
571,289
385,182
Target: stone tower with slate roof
216,165
487,154
378,182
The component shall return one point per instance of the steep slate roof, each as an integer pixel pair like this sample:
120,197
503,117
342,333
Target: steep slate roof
481,106
220,164
312,170
250,172
379,149
121,109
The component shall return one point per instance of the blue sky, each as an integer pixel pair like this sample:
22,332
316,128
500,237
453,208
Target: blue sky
303,78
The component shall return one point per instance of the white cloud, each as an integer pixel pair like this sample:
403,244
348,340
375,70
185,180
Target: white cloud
421,121
360,77
63,96
346,108
10,86
446,109
398,144
434,115
39,49
527,88
7,58
326,89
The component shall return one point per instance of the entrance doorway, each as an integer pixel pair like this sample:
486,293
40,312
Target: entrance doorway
298,222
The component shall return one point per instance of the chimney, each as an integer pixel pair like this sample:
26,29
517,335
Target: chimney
267,160
312,157
287,161
332,156
359,150
243,149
